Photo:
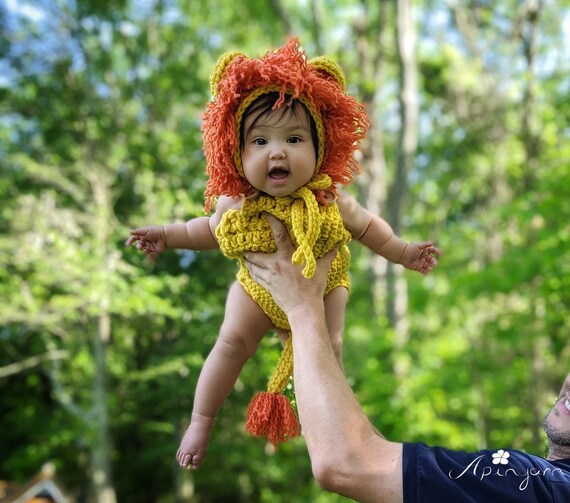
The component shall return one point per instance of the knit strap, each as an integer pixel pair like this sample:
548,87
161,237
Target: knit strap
284,369
307,221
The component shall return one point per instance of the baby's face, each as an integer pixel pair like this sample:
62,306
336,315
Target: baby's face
278,155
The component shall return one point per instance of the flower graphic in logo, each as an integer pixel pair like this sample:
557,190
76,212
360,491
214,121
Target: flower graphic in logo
501,457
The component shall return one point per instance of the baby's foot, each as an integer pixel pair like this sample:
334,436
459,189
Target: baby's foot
194,444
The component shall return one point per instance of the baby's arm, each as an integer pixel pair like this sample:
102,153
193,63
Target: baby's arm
378,235
196,234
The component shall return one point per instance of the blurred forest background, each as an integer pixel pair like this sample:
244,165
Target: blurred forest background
100,104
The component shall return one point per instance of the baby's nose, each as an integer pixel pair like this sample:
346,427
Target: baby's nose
277,153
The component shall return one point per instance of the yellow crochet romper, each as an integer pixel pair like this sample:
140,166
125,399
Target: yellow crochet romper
315,229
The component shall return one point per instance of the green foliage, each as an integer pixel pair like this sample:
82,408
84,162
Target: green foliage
100,110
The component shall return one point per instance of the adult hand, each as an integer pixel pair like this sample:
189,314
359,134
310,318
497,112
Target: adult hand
284,280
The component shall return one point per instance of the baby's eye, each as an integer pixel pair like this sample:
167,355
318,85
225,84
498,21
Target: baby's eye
295,139
259,141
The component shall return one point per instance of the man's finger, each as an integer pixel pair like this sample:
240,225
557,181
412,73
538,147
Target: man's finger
328,259
255,259
279,232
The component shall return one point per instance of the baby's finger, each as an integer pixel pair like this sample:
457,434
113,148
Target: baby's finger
435,251
131,240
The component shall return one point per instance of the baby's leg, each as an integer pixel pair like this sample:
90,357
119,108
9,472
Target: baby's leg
244,326
335,307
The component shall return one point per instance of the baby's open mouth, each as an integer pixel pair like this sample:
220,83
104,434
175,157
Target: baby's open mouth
278,173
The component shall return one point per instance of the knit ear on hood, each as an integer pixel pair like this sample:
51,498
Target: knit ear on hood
318,84
330,68
220,68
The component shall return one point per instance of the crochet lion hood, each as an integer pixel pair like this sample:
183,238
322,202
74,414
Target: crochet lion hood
319,84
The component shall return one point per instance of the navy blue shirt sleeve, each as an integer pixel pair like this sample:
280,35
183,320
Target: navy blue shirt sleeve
435,474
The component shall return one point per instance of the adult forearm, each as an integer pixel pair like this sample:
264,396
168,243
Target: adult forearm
328,409
348,456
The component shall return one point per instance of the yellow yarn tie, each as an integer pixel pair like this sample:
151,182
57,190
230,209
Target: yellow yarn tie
280,377
306,222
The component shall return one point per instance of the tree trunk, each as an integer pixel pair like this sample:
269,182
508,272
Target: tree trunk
101,447
530,130
530,134
316,26
407,146
372,181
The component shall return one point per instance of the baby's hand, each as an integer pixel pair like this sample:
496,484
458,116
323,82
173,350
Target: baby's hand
150,240
420,257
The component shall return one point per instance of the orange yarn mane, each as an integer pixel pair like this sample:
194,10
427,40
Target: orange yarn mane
341,118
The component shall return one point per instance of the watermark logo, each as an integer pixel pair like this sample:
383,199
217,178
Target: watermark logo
481,470
501,457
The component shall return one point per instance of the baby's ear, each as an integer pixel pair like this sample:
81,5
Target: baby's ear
220,69
331,68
